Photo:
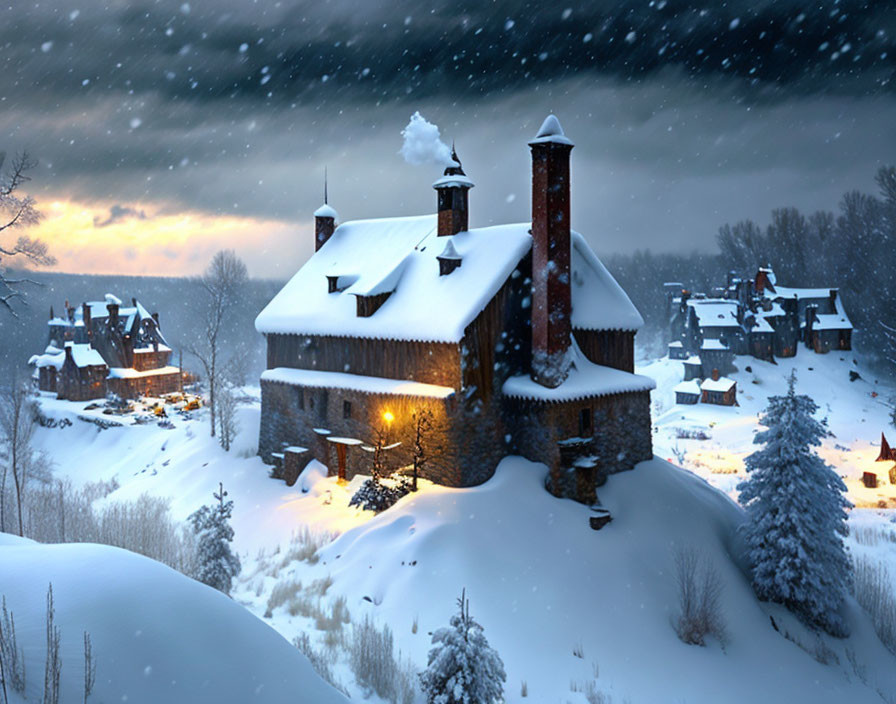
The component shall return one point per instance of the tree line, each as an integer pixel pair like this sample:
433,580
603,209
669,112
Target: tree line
852,248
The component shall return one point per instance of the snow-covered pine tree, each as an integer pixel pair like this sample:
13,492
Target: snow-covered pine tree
796,515
462,667
216,564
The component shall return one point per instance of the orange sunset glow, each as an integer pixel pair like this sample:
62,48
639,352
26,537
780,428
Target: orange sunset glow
153,240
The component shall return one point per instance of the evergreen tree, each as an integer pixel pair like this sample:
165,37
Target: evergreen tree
462,667
217,565
797,515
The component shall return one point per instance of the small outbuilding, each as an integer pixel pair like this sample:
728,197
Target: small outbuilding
693,368
677,350
719,390
688,392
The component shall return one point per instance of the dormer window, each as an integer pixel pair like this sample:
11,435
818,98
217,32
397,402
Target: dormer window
368,305
336,283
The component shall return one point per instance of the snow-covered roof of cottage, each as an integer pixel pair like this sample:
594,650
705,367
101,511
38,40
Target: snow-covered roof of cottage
84,355
585,380
713,345
688,387
551,131
48,359
800,293
760,324
59,321
693,359
354,382
400,255
677,344
715,312
723,384
131,373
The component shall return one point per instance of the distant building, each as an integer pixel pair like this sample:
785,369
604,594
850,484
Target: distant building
719,390
101,347
515,338
688,392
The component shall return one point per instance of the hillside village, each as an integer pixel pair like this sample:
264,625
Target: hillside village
747,316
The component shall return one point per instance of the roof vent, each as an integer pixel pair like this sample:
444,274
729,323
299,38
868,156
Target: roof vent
449,259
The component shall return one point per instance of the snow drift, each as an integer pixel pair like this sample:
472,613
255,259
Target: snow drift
157,636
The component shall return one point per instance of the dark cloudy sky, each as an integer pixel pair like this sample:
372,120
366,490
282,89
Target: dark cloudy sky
168,129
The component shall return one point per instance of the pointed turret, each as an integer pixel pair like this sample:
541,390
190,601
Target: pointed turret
454,204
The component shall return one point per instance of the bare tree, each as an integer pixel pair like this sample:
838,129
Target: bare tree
423,425
16,430
53,666
89,667
223,282
18,211
12,657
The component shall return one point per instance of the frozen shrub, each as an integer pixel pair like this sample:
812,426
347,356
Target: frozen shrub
699,599
372,660
874,593
378,495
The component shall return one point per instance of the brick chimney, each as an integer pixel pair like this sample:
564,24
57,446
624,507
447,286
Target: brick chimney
715,374
112,309
454,201
324,221
85,317
551,296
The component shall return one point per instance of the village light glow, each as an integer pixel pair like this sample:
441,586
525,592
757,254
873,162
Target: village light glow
388,417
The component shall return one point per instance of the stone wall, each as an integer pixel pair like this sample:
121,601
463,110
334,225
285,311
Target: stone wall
621,432
464,445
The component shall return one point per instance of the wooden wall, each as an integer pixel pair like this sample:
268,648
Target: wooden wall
610,348
426,362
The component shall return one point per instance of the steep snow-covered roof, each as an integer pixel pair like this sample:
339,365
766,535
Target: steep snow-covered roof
84,355
585,380
688,387
399,255
715,312
723,384
789,292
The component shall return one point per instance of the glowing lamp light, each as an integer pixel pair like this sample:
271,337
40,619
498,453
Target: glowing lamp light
388,417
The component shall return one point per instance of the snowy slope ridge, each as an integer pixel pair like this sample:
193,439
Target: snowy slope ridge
157,636
543,584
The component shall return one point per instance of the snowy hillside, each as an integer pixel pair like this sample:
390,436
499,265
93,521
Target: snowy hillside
157,636
570,610
856,413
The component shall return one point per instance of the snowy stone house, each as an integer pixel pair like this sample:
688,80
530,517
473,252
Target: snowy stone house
514,337
101,347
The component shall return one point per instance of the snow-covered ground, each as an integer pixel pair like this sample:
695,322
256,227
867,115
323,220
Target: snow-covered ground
856,413
569,609
156,635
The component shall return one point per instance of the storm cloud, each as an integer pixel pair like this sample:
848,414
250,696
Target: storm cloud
684,116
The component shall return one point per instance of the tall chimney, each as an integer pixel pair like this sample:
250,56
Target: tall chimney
324,221
112,309
454,202
551,296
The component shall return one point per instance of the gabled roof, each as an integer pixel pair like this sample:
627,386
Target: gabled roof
715,312
399,255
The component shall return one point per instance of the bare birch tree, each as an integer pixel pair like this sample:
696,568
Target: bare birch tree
16,431
223,282
18,211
